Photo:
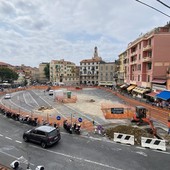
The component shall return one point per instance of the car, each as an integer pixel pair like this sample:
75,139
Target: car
7,96
51,92
44,135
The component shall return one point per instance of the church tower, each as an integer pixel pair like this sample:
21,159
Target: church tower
96,57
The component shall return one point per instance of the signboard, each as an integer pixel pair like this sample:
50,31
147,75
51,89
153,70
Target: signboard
117,110
80,119
58,117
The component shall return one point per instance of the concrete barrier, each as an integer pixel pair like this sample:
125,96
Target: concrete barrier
124,138
153,143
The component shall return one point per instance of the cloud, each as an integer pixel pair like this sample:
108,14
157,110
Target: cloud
38,31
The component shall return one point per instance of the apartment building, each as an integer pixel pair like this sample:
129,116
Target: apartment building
107,74
89,69
62,71
120,68
147,60
42,76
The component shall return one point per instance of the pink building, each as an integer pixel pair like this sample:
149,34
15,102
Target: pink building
148,58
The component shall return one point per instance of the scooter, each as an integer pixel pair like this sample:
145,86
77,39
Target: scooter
67,126
76,128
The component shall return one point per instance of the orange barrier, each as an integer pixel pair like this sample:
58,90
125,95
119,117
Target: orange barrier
106,109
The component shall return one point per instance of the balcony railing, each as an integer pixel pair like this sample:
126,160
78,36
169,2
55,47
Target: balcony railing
134,53
147,47
146,59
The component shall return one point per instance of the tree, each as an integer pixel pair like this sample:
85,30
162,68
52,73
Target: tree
47,71
7,74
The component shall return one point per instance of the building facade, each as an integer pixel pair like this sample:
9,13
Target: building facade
89,69
107,73
65,72
120,68
42,76
148,58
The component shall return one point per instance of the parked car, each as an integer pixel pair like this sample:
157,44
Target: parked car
44,135
7,96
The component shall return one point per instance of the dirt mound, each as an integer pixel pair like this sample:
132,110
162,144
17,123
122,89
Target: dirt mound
137,132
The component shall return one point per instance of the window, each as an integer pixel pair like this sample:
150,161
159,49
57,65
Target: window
101,68
139,45
148,79
111,67
150,54
40,132
149,66
106,67
139,66
139,56
138,77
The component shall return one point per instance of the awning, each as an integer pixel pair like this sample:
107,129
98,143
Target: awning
159,81
164,95
131,87
123,86
152,94
140,90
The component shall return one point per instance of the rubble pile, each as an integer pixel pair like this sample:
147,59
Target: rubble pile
137,132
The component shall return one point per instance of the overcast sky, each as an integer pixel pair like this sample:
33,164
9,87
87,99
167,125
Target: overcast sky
36,31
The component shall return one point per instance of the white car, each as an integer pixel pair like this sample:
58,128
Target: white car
7,96
50,92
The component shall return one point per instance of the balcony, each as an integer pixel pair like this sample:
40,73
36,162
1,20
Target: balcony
133,62
146,59
147,47
134,53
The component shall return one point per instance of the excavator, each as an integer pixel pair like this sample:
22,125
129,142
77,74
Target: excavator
140,117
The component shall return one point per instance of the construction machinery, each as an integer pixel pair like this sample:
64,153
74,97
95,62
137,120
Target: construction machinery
140,117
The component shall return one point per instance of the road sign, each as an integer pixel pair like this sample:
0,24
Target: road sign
58,117
80,119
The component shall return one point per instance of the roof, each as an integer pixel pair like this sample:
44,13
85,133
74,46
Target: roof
45,128
91,60
152,94
164,95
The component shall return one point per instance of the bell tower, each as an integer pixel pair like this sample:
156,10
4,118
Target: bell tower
95,52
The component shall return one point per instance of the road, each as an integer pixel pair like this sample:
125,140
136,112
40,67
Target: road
72,152
76,152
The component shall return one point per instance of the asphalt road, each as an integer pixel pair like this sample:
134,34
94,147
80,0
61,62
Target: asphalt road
73,152
76,152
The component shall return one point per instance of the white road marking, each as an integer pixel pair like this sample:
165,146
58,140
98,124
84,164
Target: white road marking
1,135
13,156
34,100
83,115
18,141
26,101
78,158
52,107
8,138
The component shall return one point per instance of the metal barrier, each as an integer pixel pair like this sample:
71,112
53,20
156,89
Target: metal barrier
153,143
124,138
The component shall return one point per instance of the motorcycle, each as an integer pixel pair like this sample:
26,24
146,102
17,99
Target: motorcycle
67,126
76,128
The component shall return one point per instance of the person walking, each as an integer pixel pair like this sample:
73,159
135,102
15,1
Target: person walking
168,126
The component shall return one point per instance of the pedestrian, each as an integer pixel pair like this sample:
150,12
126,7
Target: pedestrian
168,126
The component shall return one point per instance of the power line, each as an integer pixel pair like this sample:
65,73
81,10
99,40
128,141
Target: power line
153,8
163,4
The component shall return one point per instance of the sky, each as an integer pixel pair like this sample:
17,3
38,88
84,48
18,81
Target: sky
36,31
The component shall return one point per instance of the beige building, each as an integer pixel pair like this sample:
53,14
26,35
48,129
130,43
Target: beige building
107,74
120,68
65,72
89,69
42,76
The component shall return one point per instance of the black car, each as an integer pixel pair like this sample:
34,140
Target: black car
44,135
